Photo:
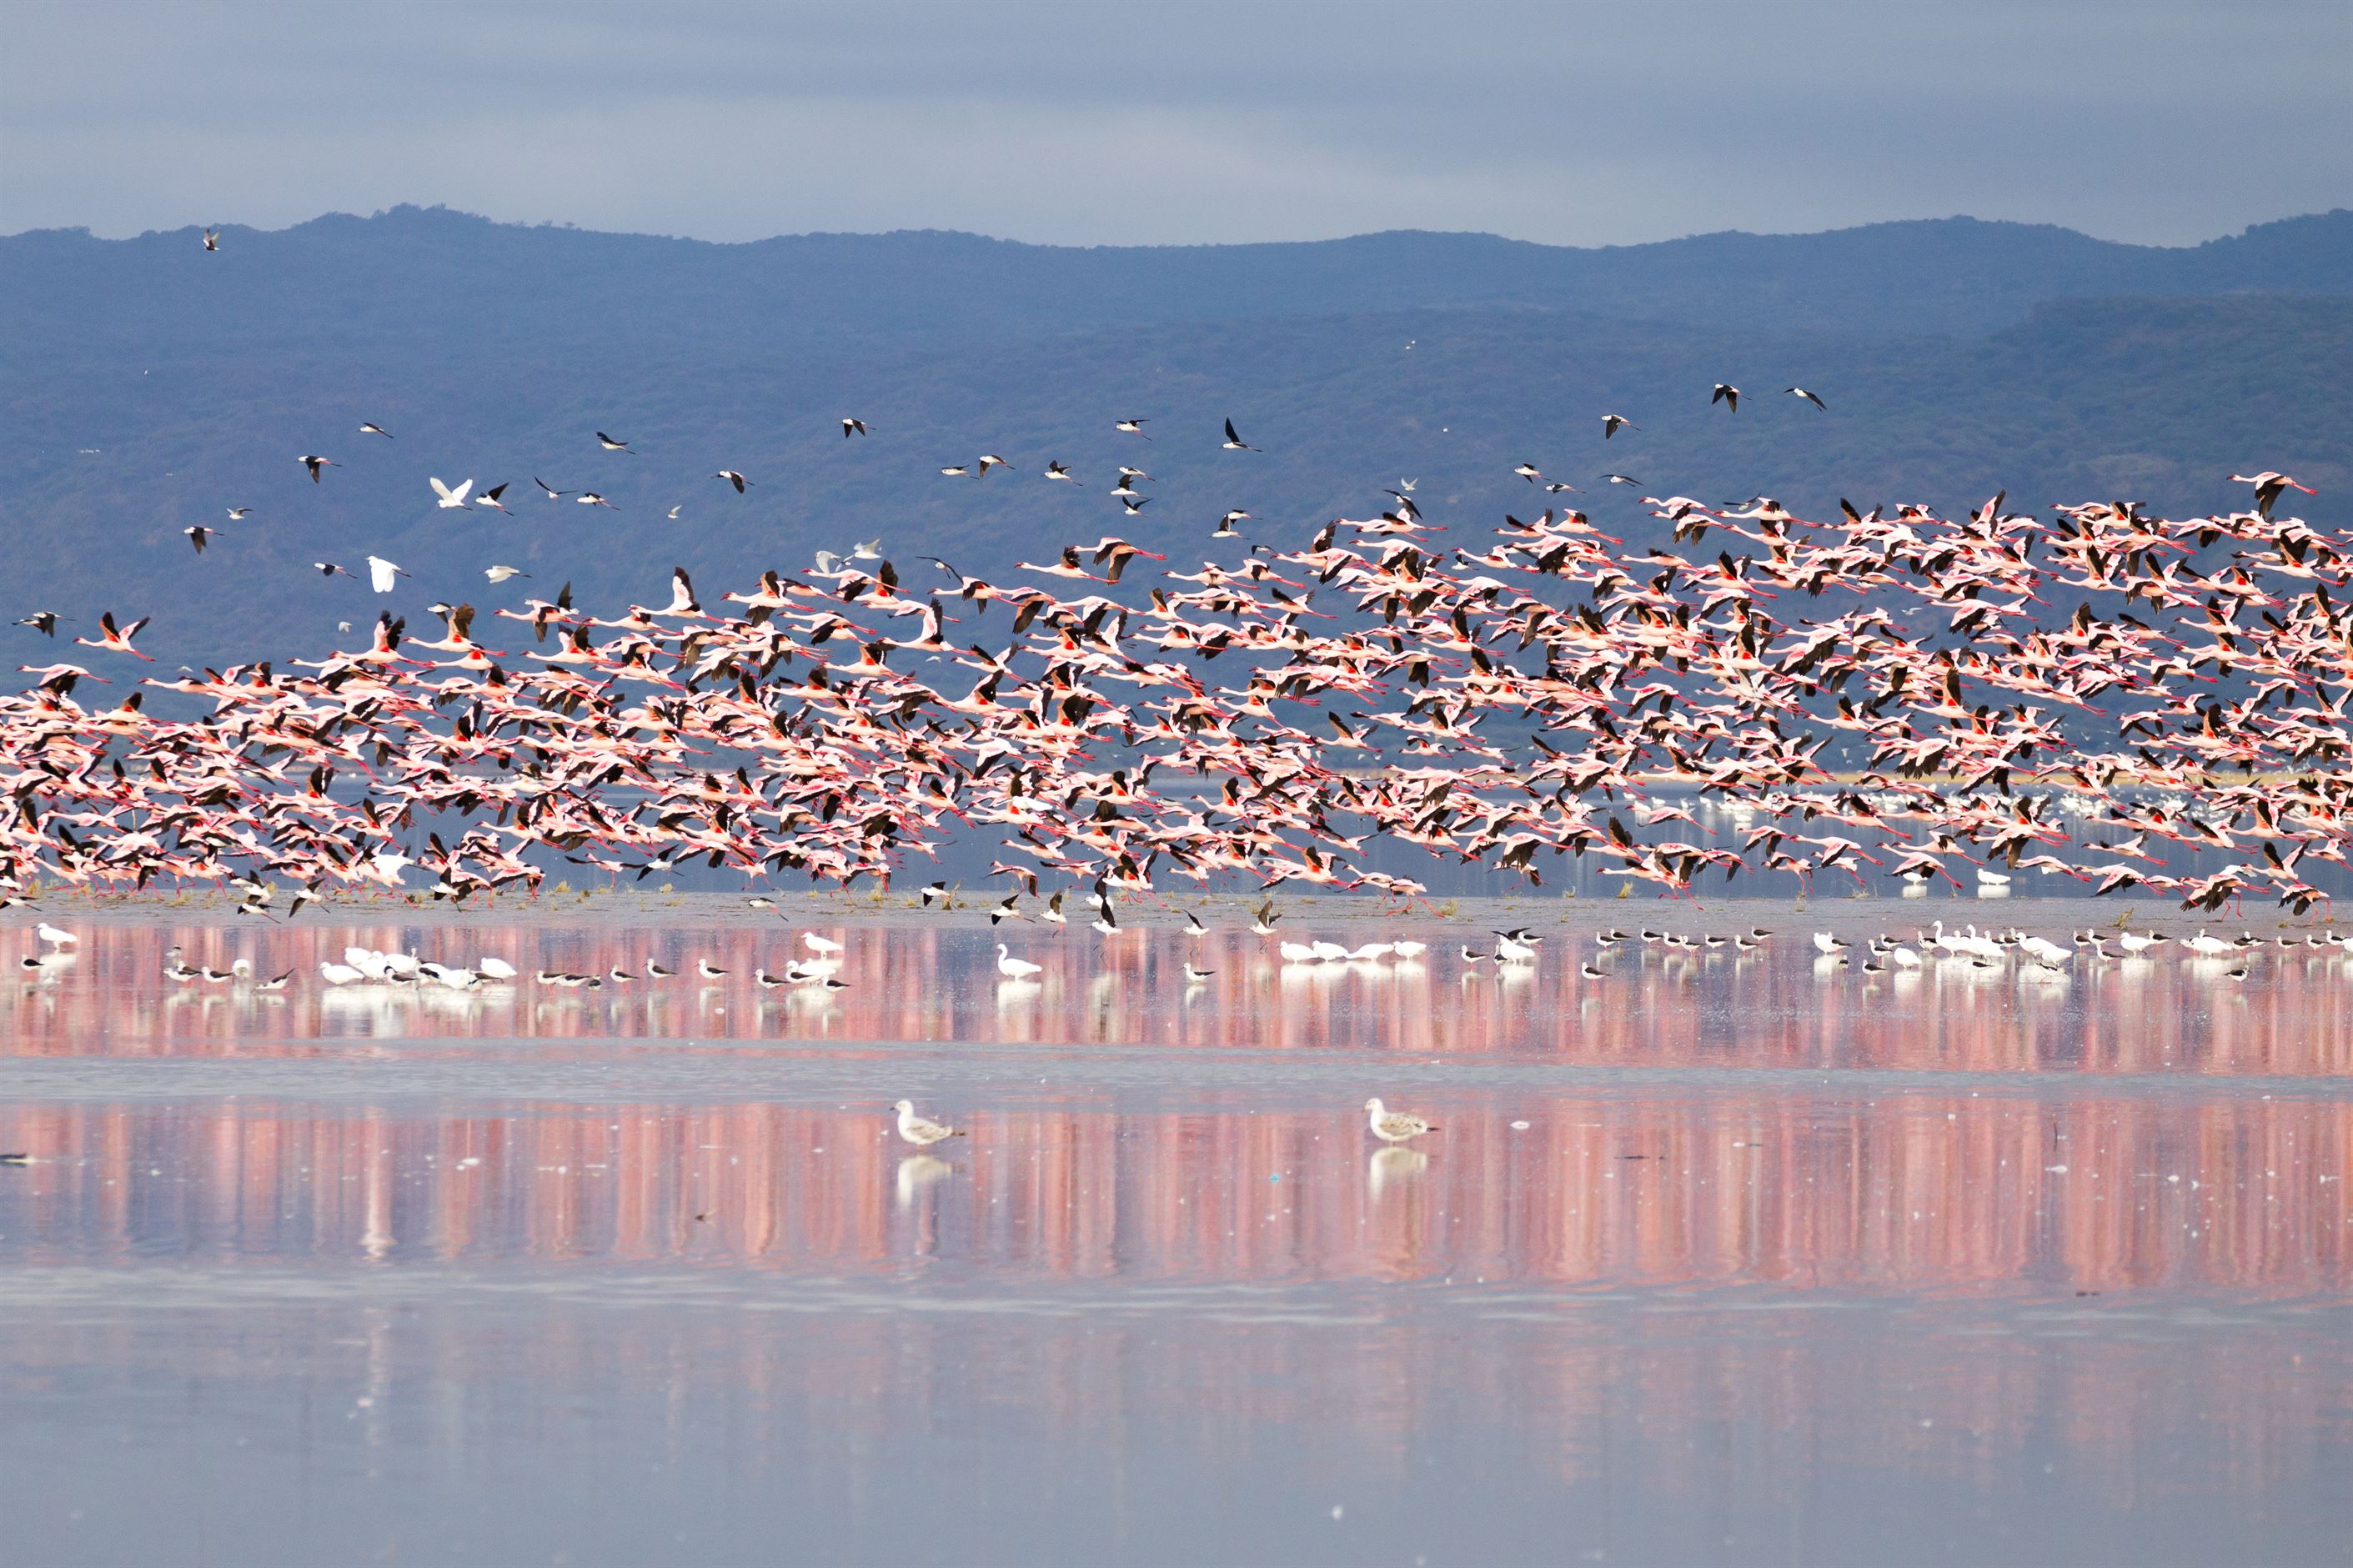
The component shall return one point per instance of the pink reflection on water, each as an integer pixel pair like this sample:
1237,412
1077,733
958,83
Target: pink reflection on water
1911,1193
1654,1008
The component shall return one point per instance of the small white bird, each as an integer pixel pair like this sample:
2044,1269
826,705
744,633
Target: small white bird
816,943
1014,968
923,1134
381,573
452,501
1394,1126
56,936
501,573
496,968
339,973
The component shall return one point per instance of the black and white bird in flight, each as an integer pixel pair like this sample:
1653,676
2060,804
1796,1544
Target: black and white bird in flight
733,477
239,513
1226,523
200,536
1133,426
549,491
42,621
489,498
852,427
212,239
1612,423
1727,394
1058,470
328,569
1235,443
1801,392
368,429
314,464
612,446
1529,472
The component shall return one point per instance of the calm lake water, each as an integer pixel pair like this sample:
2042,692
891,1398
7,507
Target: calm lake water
1716,1258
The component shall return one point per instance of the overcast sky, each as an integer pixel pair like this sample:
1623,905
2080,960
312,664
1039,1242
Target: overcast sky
1118,121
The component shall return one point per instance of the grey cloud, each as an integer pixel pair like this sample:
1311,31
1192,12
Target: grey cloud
1580,124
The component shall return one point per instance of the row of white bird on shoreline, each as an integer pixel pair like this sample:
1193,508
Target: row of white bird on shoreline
1514,950
1995,950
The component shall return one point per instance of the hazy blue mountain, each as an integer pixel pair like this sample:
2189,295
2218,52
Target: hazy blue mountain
150,385
415,272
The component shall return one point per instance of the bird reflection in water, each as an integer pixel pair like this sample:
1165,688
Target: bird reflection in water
918,1172
1393,1164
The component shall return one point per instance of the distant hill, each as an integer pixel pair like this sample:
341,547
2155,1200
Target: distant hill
149,385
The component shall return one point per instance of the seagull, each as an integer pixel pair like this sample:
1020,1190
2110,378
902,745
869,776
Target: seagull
452,501
56,936
199,535
1014,968
852,427
733,477
381,573
239,513
315,463
1726,394
1611,422
1235,443
1394,1126
816,943
612,446
212,239
501,573
923,1134
1801,392
367,429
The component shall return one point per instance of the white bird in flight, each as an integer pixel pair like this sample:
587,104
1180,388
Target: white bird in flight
450,499
381,573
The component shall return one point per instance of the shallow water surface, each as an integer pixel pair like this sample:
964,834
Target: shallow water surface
1712,1258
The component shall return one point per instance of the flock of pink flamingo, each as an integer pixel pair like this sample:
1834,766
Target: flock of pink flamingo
1502,700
